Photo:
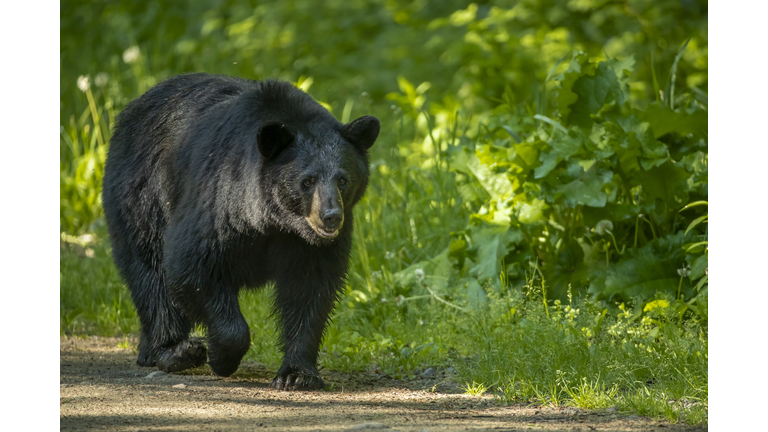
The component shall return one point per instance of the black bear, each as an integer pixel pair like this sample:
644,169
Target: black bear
213,184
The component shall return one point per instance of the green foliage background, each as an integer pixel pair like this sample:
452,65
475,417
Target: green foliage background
530,151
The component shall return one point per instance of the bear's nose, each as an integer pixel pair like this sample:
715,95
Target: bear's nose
332,219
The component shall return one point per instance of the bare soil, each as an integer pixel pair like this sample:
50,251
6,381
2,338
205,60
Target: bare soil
102,388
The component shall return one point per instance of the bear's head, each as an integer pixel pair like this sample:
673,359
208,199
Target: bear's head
317,172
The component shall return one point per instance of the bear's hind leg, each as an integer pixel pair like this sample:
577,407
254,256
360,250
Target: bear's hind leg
165,341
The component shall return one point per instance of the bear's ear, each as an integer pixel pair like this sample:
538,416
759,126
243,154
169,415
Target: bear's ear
362,132
274,138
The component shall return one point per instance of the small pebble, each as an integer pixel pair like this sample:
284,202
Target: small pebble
429,373
155,374
179,386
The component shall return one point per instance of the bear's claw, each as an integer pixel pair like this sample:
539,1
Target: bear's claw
297,381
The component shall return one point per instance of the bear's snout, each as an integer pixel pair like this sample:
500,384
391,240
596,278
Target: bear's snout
332,219
327,214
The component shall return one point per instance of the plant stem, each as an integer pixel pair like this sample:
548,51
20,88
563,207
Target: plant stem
443,301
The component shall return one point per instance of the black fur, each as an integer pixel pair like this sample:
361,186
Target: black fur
215,183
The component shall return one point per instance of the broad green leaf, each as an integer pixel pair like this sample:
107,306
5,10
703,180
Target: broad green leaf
628,151
548,162
638,133
666,182
492,246
663,121
532,212
527,155
594,91
490,155
459,156
565,146
496,184
699,267
643,273
587,190
622,68
566,96
652,163
599,141
472,191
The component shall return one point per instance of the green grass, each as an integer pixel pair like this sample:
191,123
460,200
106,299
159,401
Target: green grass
93,299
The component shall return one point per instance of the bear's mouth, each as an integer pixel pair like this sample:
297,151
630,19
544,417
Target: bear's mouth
328,234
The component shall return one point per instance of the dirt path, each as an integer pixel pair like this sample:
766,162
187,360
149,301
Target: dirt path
102,388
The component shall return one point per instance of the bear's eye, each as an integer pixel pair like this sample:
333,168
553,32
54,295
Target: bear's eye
308,182
342,181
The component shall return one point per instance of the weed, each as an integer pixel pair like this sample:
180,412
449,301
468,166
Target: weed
475,389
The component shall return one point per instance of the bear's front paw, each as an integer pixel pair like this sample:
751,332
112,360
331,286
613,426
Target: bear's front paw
184,355
297,381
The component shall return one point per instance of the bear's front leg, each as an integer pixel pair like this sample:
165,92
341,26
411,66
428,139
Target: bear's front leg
200,285
303,307
228,335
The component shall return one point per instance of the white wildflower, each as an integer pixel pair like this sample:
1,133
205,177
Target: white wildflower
389,255
83,83
101,79
603,226
131,54
419,274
